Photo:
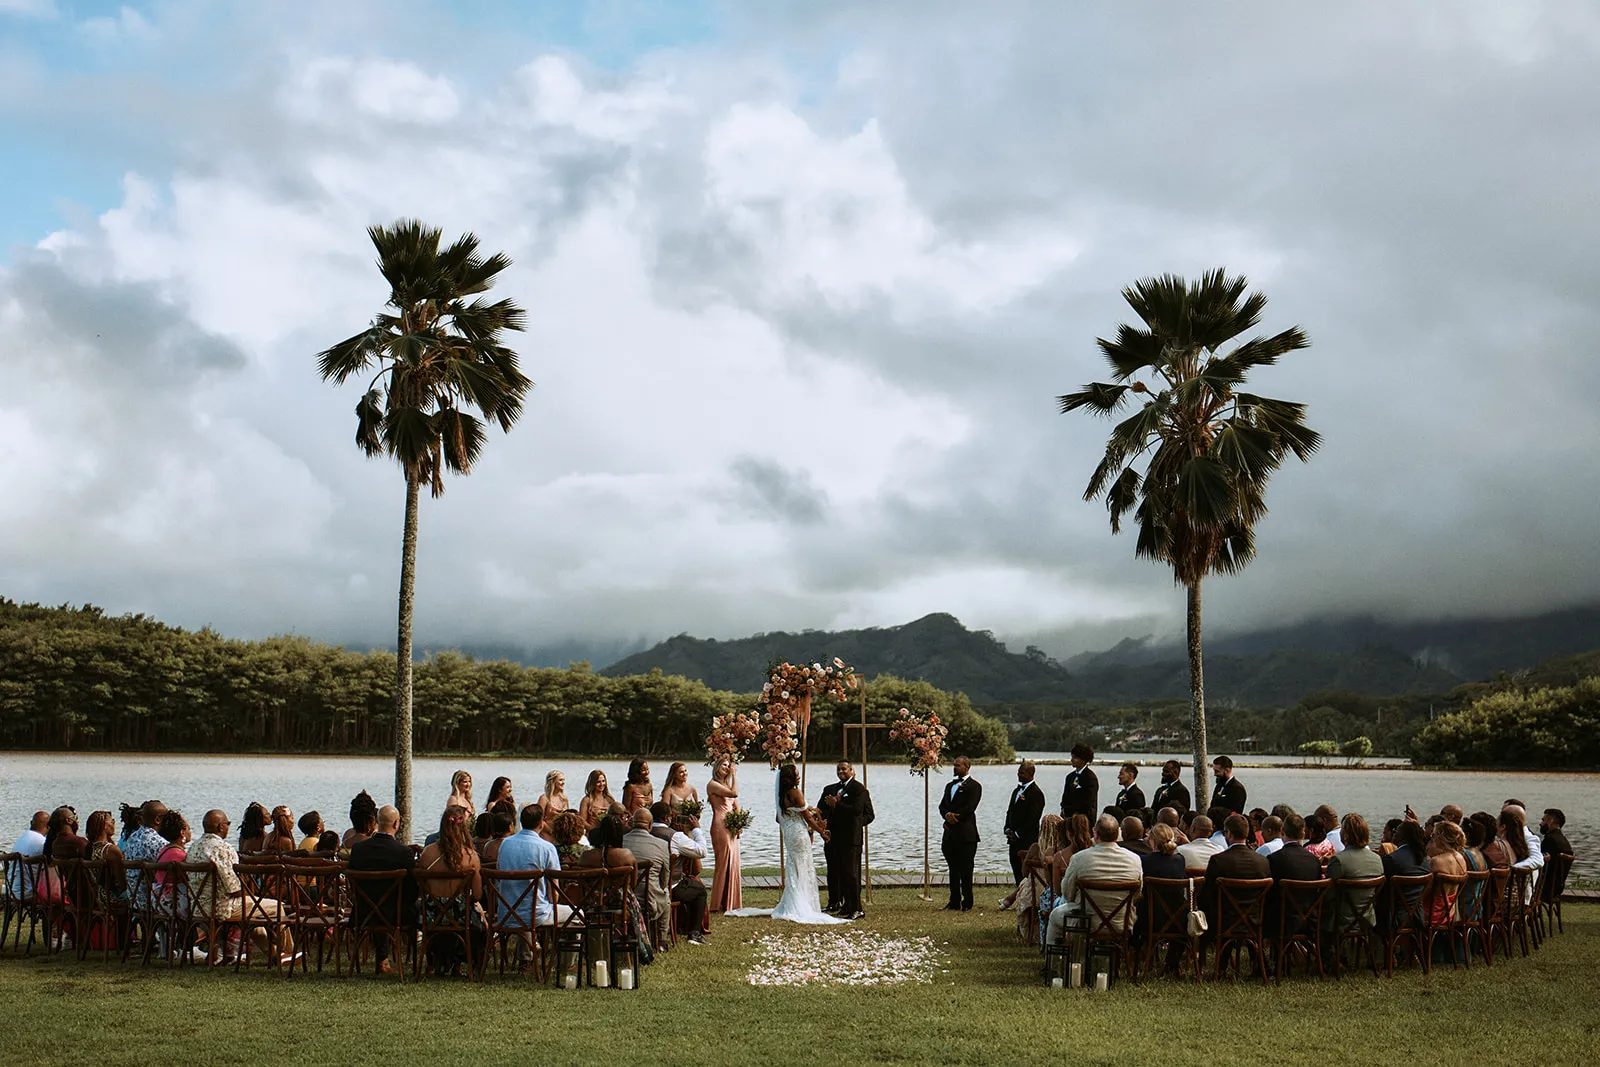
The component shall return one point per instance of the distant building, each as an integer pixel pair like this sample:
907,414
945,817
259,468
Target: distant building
1245,744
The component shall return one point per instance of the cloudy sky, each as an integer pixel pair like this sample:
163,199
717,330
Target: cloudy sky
803,283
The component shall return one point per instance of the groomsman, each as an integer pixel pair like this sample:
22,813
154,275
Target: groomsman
1130,798
1171,793
1022,817
958,807
847,806
1080,795
1229,791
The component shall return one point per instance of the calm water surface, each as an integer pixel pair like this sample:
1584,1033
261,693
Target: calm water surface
30,781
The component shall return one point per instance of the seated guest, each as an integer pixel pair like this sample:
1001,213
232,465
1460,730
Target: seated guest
61,835
1238,860
690,891
311,830
526,850
1105,861
328,842
1444,849
1328,815
129,815
1173,819
646,846
660,814
1515,837
213,848
1271,836
1218,815
1554,842
363,819
111,887
482,831
499,830
1454,813
1495,854
282,838
1386,839
605,840
1133,836
381,851
565,831
1354,861
1409,858
1162,861
1316,839
1292,861
1038,857
1201,847
452,900
253,828
30,843
174,830
1472,833
1535,857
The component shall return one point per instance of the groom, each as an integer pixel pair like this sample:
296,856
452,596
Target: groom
958,808
847,806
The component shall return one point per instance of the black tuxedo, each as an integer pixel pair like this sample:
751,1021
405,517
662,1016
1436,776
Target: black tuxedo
1130,799
1022,824
1173,794
847,818
960,841
1080,794
1292,861
381,852
1228,794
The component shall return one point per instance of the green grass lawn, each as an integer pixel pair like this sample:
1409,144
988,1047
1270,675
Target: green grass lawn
696,1007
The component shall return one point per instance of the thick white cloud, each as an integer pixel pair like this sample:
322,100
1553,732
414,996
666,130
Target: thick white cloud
800,300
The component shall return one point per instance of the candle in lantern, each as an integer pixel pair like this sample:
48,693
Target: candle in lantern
625,977
1076,971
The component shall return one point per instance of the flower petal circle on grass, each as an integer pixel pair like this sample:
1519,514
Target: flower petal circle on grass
845,959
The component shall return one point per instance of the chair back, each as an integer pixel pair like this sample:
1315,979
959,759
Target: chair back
1499,885
511,899
1108,906
1517,891
1241,906
1166,906
1443,896
1300,906
1557,865
1474,898
1408,898
377,899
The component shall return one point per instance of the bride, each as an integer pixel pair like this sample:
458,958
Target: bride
799,901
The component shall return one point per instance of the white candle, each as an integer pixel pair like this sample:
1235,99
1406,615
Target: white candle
1102,981
1077,975
1055,983
600,978
571,980
625,977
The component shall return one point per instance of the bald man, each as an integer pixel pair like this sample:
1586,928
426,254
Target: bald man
384,852
231,901
654,892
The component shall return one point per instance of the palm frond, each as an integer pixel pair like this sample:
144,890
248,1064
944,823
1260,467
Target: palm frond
1101,398
350,356
1122,498
461,436
1134,350
369,423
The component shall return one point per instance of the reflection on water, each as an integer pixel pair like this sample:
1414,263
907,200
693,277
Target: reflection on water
195,783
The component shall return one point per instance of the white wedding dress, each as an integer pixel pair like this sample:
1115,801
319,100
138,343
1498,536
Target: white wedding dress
799,902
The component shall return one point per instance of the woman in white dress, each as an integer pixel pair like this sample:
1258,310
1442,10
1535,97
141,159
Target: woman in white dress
799,902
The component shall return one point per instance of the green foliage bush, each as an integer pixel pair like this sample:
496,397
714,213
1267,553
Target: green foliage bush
1545,726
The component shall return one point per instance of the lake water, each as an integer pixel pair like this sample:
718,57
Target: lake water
29,781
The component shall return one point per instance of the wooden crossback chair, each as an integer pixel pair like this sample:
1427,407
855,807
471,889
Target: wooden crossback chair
105,913
1521,913
376,906
13,897
1039,881
209,911
445,915
314,906
1300,908
1167,903
1497,923
1472,909
1109,907
66,910
510,904
1239,916
1557,866
1443,918
1358,897
1409,897
263,882
616,905
582,890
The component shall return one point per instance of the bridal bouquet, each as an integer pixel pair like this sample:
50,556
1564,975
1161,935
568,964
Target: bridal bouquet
787,693
691,807
924,733
738,820
731,735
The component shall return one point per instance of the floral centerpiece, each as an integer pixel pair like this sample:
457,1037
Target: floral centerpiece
731,735
786,695
737,820
924,733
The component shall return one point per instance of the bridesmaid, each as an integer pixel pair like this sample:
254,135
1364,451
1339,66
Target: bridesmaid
678,789
500,790
554,801
461,792
721,793
638,792
597,799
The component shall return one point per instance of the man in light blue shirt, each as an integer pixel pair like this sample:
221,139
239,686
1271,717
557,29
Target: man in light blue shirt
527,851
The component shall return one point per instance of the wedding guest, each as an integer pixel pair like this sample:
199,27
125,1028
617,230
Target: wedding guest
1229,791
1317,842
1354,861
29,843
1472,831
1022,822
1104,861
500,790
129,814
1238,860
1271,836
112,884
722,794
660,813
282,837
452,900
648,848
1039,857
1495,853
678,790
597,799
328,842
144,844
1133,836
1515,836
959,843
1163,861
1554,825
1535,857
1292,860
500,828
690,892
1172,818
461,793
1444,852
213,848
605,840
1386,838
1408,858
565,832
382,852
1218,816
61,840
363,819
638,792
253,828
1328,815
311,828
1171,793
1201,847
1080,793
1454,813
174,830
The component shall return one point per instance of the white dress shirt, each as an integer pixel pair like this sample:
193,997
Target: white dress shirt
1270,847
684,845
1196,854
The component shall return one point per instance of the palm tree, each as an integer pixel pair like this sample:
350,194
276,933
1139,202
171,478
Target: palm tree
435,349
1207,449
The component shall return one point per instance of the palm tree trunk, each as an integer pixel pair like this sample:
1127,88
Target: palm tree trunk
1197,703
402,684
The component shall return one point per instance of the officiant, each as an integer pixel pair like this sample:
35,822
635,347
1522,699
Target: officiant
847,806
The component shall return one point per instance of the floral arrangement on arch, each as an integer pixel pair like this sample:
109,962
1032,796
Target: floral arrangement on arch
924,733
787,693
731,735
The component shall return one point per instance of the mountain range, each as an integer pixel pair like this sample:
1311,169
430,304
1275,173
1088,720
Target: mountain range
1267,667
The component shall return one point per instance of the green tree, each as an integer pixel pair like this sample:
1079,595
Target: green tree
1356,750
1319,750
436,350
1207,448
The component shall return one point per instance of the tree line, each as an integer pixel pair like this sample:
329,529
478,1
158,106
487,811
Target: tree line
77,679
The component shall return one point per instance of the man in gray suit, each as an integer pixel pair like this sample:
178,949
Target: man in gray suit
654,893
